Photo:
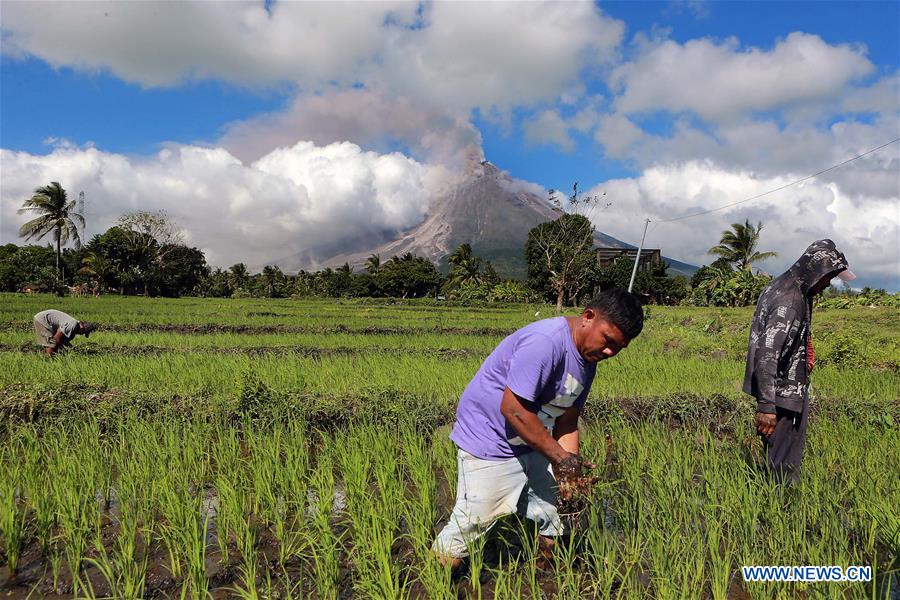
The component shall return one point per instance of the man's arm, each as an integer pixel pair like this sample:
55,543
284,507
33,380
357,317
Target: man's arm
566,430
566,464
59,341
530,429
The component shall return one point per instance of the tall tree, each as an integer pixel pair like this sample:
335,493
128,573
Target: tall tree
560,253
238,276
373,263
56,215
739,245
408,276
270,277
98,267
153,236
465,267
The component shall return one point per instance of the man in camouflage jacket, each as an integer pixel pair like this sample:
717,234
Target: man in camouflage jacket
780,354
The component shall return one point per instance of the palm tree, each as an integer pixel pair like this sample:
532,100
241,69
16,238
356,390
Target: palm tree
97,266
270,276
238,276
373,263
465,267
738,245
57,215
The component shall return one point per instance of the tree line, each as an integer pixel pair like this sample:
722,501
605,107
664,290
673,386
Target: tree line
144,253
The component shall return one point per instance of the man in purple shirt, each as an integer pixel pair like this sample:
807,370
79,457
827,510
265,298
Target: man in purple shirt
517,420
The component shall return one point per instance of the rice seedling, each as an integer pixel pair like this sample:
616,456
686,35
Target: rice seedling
72,475
322,541
184,527
337,482
12,509
41,500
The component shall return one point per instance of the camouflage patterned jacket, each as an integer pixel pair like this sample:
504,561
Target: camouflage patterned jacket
776,373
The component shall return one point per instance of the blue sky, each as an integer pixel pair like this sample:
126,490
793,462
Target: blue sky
674,105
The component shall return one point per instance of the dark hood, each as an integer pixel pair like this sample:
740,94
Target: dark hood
820,259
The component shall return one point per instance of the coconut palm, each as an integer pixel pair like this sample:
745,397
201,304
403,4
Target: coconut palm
238,276
465,267
738,245
56,215
97,267
373,263
270,276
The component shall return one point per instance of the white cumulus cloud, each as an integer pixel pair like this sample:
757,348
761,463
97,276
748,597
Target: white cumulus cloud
866,229
165,43
287,204
548,127
457,56
721,80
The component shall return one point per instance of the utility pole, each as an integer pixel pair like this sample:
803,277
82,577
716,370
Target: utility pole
637,257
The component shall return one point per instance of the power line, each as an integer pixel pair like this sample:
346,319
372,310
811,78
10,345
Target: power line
778,189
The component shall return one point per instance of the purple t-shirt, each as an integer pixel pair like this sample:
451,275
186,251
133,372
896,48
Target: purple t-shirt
540,364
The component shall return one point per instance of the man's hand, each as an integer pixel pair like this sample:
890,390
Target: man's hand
571,466
765,423
571,477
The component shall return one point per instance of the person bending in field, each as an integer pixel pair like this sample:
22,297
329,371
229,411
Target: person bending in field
517,421
55,329
780,355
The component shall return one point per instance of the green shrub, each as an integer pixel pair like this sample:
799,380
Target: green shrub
513,291
842,351
256,401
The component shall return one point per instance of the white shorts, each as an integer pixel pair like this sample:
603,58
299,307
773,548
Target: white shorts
489,489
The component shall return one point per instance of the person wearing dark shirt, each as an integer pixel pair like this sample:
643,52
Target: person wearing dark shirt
780,355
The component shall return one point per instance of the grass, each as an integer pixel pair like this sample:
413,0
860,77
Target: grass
322,469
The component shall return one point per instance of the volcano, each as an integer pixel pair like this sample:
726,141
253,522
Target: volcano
488,210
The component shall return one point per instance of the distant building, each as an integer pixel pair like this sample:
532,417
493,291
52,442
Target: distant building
650,257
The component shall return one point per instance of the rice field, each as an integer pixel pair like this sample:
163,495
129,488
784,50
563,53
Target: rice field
198,448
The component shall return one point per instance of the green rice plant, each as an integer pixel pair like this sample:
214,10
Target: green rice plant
226,453
388,471
507,579
40,498
322,542
373,514
184,533
631,556
72,475
125,577
420,499
54,560
567,576
12,509
125,567
435,575
180,487
292,475
379,576
475,549
443,452
720,558
600,553
246,587
530,550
